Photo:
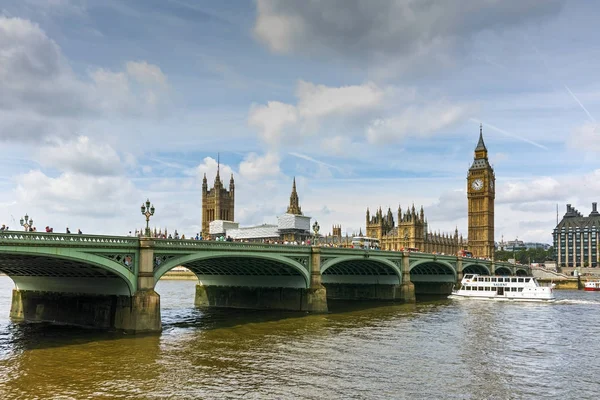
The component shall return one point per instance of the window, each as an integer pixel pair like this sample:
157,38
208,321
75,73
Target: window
520,280
520,289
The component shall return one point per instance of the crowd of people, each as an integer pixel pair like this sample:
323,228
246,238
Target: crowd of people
48,229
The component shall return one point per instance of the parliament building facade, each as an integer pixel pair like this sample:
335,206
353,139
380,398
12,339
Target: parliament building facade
410,230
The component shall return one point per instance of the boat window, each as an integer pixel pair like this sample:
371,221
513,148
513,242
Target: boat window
487,279
521,280
520,289
513,279
480,288
526,279
493,279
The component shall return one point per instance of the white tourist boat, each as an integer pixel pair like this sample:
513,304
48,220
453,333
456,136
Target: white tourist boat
507,288
592,286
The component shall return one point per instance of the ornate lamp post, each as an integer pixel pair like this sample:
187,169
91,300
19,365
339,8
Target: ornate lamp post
147,211
316,228
26,222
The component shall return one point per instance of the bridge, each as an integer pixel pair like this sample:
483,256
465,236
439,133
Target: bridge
108,281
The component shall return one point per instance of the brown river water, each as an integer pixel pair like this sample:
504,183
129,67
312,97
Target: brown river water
437,349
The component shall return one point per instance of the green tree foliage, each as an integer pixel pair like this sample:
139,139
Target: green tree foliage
526,256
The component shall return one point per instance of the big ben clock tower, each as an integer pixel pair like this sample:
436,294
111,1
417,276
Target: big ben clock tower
481,193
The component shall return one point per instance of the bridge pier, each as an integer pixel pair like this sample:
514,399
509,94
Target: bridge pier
135,314
459,271
312,299
407,288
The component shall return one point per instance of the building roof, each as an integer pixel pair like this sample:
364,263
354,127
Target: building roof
480,144
574,219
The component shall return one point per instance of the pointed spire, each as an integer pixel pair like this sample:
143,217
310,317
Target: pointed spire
294,207
480,144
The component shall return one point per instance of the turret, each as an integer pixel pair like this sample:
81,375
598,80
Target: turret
204,184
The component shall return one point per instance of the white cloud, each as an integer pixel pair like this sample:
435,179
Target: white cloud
272,120
418,121
82,156
277,122
40,89
255,167
209,167
318,101
76,194
145,73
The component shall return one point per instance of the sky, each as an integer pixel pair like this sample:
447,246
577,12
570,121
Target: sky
105,103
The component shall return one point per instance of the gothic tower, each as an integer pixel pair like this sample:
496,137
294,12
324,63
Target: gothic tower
218,203
294,207
481,194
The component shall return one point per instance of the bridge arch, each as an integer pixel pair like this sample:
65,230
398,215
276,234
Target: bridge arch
60,269
432,268
381,270
241,269
475,268
503,271
521,272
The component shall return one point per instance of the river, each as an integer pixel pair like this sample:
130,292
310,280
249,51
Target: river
458,349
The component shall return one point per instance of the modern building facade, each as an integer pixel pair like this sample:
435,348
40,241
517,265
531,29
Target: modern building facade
481,194
410,232
218,203
576,239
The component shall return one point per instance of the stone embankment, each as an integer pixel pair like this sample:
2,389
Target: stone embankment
562,281
179,274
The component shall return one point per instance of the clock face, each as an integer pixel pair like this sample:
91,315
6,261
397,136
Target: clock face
477,184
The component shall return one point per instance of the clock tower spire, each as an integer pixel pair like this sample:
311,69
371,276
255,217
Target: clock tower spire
481,193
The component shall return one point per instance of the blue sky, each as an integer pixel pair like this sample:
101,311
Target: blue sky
367,104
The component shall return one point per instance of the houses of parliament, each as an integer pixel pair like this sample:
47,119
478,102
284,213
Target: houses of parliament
404,230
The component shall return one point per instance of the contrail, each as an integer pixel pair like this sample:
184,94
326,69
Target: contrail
543,59
307,158
512,135
581,105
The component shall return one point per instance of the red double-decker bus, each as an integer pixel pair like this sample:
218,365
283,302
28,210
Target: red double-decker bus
464,253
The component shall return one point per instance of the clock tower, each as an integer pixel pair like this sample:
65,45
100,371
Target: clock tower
481,193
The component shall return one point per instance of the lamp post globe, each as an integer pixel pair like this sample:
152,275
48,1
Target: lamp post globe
316,228
147,211
26,222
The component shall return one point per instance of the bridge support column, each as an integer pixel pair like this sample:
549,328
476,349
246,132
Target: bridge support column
492,268
407,288
136,314
459,270
141,312
316,295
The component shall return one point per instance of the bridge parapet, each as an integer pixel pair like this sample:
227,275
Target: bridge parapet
65,239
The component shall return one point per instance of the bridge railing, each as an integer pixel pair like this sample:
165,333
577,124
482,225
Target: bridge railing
213,244
65,239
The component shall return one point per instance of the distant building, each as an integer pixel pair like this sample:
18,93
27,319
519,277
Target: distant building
576,238
411,231
291,226
218,203
516,245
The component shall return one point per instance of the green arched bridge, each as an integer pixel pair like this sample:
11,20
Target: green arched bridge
108,281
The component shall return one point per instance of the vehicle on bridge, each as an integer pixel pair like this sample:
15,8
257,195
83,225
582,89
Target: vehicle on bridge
410,249
464,253
507,288
363,242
